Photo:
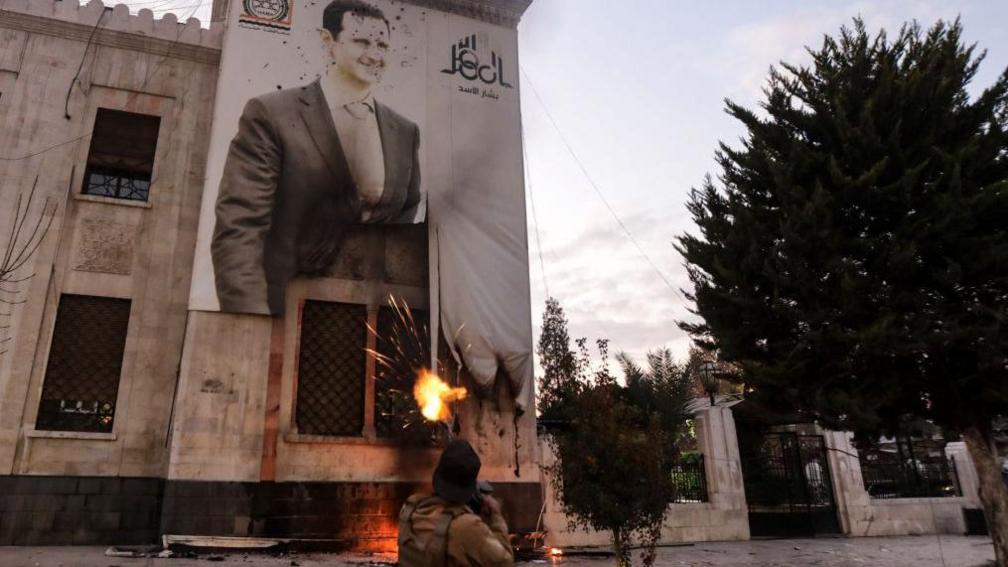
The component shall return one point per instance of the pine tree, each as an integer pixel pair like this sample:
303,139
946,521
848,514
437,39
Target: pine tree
853,256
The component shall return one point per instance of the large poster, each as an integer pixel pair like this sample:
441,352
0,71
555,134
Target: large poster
332,115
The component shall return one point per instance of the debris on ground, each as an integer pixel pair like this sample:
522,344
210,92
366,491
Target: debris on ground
133,551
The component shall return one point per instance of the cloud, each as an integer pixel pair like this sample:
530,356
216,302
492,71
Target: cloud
609,290
749,50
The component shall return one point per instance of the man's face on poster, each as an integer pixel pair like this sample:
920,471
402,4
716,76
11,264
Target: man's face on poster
358,52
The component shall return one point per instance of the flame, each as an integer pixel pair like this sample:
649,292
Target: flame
555,551
433,395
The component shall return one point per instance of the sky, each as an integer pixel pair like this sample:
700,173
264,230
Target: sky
638,94
622,111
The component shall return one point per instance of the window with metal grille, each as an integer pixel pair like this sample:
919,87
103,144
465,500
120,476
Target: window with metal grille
121,157
85,361
331,369
403,346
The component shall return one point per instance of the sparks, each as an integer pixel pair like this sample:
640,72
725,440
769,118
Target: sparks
433,395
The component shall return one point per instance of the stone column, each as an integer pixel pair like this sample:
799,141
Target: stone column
852,500
715,431
966,472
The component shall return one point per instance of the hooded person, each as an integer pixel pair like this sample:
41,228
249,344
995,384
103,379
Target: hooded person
443,529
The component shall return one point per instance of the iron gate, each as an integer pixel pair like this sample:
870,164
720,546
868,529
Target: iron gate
788,486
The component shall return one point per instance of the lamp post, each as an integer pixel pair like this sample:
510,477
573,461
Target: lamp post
709,380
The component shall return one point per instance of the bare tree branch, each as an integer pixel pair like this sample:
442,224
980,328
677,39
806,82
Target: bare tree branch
14,224
18,280
18,250
23,218
34,240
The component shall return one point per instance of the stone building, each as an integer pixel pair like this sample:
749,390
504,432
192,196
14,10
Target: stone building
123,414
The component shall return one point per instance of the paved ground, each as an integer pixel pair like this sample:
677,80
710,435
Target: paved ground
923,551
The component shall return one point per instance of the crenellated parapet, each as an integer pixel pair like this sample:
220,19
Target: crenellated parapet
115,27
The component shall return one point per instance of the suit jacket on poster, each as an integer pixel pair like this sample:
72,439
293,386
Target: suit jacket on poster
287,196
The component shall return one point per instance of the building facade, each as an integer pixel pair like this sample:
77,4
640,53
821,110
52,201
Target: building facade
124,415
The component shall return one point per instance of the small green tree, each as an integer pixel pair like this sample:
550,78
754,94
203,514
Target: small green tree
853,258
615,444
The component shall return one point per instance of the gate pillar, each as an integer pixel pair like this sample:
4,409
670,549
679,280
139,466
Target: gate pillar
715,431
965,472
852,500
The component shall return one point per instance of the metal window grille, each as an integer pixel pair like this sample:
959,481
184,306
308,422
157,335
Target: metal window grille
690,480
331,369
912,479
85,361
117,183
121,156
403,346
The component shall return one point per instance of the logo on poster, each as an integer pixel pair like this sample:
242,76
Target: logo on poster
465,61
268,15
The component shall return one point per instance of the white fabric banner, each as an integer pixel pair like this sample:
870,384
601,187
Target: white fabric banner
480,221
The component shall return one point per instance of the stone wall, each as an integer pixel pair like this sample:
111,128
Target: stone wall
722,517
345,515
862,515
43,510
725,515
60,62
47,510
913,516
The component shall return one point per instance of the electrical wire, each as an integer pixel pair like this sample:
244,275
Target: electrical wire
598,190
44,150
535,217
173,8
87,48
147,78
159,3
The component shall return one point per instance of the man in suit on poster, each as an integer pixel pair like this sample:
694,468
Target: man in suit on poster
310,162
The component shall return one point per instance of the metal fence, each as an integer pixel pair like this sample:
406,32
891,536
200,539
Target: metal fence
690,482
913,479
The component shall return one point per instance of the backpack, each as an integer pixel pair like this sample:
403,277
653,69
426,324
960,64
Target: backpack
416,550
